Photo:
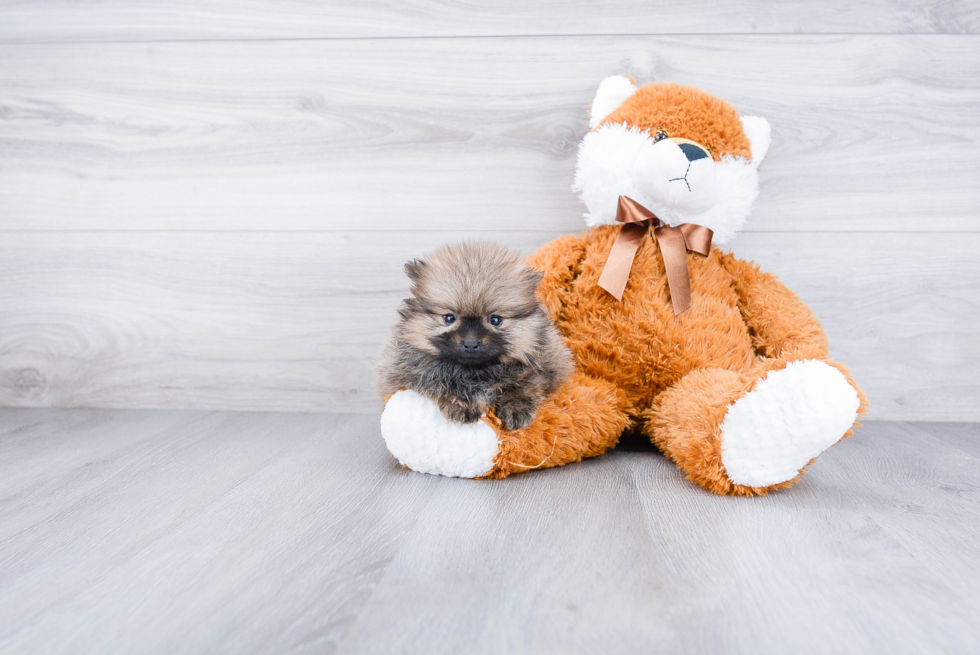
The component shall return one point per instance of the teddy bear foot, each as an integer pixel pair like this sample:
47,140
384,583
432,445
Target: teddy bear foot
421,438
770,434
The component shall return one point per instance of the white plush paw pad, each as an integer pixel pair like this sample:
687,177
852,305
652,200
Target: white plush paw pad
421,438
791,416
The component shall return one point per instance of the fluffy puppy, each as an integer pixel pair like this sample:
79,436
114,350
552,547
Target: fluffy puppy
473,337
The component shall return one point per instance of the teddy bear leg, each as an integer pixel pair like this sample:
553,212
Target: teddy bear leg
747,433
581,419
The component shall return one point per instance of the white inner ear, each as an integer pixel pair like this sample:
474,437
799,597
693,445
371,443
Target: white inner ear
611,93
604,172
760,136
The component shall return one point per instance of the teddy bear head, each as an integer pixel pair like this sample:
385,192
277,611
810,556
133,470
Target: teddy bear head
684,154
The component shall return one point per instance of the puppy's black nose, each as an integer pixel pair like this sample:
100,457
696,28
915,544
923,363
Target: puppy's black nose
471,345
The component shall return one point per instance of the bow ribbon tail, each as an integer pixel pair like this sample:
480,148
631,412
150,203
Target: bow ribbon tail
673,248
617,269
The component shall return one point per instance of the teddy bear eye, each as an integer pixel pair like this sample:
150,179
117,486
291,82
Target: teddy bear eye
661,135
449,319
495,320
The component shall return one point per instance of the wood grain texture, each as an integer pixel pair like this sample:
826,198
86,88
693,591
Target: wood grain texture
156,525
124,20
183,532
573,569
871,132
290,321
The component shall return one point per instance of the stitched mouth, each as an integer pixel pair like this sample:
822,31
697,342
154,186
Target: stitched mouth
684,179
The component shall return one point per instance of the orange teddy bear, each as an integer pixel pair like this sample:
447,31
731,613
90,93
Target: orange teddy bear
718,363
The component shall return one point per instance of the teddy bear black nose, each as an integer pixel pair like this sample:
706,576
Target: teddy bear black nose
692,152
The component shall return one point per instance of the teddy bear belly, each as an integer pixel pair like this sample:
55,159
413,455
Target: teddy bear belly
643,349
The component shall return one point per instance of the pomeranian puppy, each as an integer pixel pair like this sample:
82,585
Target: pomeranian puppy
473,337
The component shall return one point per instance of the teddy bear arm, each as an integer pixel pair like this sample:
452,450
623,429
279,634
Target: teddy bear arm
781,324
583,418
559,261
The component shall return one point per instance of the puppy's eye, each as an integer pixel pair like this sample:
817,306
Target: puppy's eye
449,319
495,320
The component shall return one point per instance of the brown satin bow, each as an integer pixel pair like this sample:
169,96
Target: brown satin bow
674,243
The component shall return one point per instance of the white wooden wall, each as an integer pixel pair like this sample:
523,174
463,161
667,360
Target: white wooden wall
206,204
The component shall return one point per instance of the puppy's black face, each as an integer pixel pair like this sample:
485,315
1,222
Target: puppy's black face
475,341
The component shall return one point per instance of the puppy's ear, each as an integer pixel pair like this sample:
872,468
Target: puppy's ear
534,279
414,269
408,308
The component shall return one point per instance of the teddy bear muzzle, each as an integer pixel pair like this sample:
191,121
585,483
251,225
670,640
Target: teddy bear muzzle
678,173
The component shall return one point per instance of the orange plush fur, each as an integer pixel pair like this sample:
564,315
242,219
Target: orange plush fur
683,112
640,366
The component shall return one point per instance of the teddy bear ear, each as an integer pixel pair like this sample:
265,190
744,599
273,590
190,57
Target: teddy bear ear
760,136
611,93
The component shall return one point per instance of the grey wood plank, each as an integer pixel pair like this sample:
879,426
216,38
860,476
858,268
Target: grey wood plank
247,533
41,439
965,436
557,561
115,20
621,555
824,546
284,321
917,489
225,533
44,470
14,423
870,132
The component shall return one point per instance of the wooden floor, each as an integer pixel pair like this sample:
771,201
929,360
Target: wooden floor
127,531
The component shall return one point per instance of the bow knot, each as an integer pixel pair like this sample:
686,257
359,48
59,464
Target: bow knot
674,243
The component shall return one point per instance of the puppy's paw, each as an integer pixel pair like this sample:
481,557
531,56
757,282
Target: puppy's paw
516,416
460,413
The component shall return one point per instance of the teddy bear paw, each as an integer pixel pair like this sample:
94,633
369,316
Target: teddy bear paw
421,438
791,416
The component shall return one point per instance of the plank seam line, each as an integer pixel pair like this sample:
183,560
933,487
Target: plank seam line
490,36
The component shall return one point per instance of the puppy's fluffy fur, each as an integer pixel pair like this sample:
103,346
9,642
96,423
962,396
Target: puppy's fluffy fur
473,337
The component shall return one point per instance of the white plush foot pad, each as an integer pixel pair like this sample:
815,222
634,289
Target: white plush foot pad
421,438
791,416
